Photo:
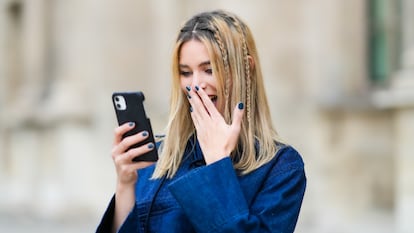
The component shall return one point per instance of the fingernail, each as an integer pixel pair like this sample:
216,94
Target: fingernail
189,96
151,145
240,106
191,109
131,124
197,88
145,133
188,88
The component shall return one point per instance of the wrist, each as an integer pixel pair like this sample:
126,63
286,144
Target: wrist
124,203
122,188
125,196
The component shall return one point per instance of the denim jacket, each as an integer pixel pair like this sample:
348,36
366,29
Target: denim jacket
215,198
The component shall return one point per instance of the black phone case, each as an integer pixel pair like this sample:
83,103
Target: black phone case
134,112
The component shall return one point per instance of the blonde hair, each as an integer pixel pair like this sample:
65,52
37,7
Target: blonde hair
235,64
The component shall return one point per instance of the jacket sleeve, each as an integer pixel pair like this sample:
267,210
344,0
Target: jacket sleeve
212,197
105,225
131,224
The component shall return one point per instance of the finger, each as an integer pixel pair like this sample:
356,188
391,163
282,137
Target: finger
197,109
238,113
129,155
129,141
142,164
121,130
198,106
208,104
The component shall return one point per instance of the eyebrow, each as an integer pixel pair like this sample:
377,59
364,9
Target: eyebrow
205,63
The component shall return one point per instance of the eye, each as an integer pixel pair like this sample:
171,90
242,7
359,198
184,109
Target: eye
209,71
185,73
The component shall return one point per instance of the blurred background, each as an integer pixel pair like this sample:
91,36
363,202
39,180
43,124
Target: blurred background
339,77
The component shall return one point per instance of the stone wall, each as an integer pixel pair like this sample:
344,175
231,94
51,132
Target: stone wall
61,60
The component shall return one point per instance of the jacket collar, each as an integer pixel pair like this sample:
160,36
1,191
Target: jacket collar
194,155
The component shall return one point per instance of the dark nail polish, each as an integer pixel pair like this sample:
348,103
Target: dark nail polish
189,96
145,133
131,124
188,88
151,145
240,106
191,109
197,88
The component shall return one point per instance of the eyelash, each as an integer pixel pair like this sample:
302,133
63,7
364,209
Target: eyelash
185,73
189,73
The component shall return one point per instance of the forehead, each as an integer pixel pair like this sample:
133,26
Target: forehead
193,52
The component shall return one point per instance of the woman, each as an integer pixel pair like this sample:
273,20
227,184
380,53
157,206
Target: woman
222,167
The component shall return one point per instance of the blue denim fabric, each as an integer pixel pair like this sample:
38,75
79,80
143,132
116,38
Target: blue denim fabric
215,198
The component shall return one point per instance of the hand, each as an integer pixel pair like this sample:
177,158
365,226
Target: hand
217,139
126,169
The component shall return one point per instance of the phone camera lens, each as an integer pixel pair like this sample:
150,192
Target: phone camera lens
116,98
118,106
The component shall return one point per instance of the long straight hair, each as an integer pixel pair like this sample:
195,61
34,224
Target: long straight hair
236,67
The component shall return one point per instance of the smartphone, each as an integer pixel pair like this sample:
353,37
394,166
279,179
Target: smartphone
129,107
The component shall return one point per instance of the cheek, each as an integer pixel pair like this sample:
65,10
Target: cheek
213,84
185,82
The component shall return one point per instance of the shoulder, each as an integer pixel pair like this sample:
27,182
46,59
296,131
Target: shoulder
286,159
159,140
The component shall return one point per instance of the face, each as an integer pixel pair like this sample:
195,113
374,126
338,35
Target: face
196,70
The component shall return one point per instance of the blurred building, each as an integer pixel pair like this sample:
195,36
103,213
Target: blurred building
339,76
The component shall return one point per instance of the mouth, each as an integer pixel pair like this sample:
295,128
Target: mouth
213,99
